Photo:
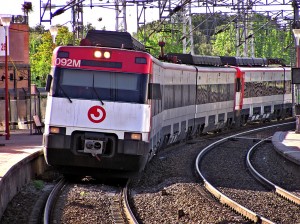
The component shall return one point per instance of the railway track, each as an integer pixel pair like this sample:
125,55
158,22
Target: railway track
237,188
114,207
168,191
268,183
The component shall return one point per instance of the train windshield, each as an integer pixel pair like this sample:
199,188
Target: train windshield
103,85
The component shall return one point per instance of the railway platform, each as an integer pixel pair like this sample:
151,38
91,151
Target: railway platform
20,145
287,143
21,159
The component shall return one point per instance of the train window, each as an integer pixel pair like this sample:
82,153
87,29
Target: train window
214,93
185,95
222,92
112,86
192,94
154,91
76,78
168,97
202,94
177,96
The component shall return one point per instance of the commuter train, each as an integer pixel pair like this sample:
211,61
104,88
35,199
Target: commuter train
112,106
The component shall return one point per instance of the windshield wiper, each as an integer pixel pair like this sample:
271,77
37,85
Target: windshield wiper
64,92
97,93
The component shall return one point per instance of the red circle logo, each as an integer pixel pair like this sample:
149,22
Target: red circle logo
96,114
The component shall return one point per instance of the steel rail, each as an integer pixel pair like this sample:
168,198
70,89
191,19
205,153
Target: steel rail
126,208
221,197
280,191
51,200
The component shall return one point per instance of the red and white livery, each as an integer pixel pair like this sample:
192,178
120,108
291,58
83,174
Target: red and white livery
110,109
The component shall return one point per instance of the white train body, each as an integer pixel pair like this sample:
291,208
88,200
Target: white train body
112,115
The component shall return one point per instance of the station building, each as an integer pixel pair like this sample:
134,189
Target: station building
19,77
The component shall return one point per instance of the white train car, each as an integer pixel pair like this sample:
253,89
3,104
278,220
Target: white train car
215,100
110,109
266,92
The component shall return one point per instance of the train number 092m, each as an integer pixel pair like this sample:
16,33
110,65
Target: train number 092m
67,62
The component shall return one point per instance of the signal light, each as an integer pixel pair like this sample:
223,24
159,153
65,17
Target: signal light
57,130
132,136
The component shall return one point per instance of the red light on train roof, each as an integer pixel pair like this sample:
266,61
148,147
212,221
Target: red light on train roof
100,54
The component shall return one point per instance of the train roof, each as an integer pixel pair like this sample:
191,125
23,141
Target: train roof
203,60
124,40
112,39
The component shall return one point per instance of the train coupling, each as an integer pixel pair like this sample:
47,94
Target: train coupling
93,146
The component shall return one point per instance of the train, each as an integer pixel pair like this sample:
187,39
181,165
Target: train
111,105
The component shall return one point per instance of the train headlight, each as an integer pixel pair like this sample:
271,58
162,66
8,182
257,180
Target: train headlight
97,54
100,54
132,136
106,54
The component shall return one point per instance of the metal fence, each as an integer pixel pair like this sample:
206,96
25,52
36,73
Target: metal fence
23,105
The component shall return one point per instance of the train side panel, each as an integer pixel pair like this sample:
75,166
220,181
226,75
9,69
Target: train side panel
215,98
267,92
173,115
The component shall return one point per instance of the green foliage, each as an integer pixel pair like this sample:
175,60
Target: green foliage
224,43
267,36
41,48
150,36
64,37
87,28
38,184
40,57
270,40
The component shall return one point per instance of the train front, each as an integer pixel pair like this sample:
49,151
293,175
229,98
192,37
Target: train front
97,116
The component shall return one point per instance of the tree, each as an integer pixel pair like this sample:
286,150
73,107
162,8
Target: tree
217,35
270,39
41,48
204,31
64,37
40,59
156,32
224,44
27,8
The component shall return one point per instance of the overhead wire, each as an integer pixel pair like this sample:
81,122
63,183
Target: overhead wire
175,10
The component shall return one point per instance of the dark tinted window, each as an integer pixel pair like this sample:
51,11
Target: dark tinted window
112,86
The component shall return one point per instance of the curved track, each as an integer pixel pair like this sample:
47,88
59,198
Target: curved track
52,199
254,216
120,211
280,191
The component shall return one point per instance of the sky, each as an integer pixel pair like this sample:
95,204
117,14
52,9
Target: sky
14,7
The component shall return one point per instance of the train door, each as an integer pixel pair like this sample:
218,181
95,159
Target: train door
238,99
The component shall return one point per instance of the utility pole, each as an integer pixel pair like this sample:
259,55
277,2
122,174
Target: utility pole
77,19
120,7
